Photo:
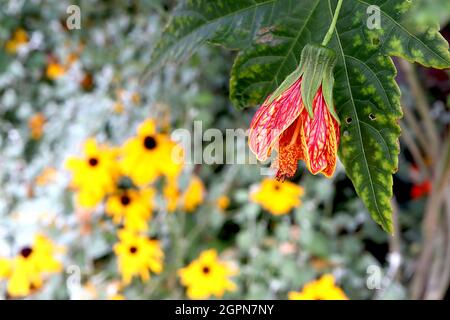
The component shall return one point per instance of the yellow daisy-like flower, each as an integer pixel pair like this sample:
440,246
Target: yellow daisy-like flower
172,159
26,271
55,70
133,208
171,194
223,202
36,125
207,276
321,289
94,175
18,39
137,255
194,194
151,154
277,197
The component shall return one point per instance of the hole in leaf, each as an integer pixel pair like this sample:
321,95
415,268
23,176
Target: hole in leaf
348,120
372,116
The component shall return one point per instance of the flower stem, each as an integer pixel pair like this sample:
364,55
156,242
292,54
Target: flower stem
333,24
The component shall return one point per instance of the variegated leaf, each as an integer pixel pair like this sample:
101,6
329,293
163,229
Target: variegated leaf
366,95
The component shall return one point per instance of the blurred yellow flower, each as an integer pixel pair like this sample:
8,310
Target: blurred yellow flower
5,268
94,175
36,125
89,198
321,289
151,154
26,271
223,202
136,98
194,194
133,208
116,297
277,197
55,70
18,39
47,176
172,159
207,276
118,107
137,255
171,194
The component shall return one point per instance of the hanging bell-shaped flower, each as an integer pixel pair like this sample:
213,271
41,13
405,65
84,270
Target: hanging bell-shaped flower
299,119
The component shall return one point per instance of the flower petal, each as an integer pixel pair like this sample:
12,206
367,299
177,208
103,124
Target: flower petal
273,118
290,151
320,138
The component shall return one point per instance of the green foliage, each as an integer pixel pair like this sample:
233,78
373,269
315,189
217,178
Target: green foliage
431,12
271,35
318,63
230,23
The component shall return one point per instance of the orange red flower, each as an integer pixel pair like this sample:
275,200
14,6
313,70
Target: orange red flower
299,130
286,125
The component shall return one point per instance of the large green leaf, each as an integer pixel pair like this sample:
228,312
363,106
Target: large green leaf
233,24
261,68
366,96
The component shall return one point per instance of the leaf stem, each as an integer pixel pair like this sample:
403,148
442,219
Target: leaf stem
333,24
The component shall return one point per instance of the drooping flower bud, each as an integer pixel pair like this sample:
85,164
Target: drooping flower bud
298,119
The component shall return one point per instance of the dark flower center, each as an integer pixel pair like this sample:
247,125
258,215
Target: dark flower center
206,270
133,250
125,200
93,162
25,252
149,143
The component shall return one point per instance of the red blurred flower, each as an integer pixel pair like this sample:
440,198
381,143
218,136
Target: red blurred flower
420,190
